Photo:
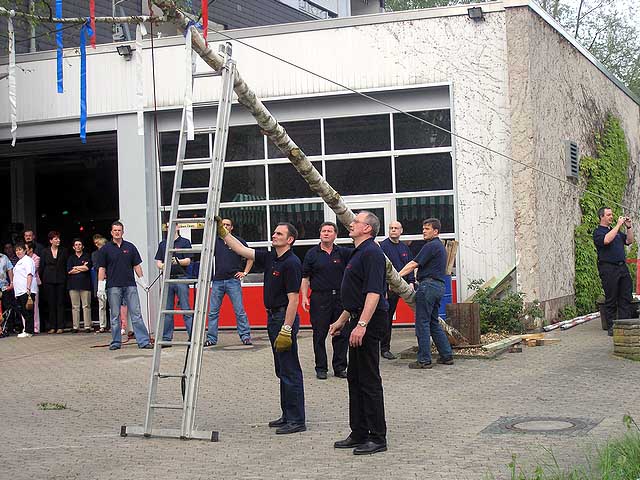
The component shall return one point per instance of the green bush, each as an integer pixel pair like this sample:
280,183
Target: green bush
567,312
504,315
606,177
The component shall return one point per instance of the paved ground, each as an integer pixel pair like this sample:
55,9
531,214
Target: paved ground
435,418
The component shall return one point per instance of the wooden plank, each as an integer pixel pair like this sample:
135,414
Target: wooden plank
504,343
528,336
547,341
452,249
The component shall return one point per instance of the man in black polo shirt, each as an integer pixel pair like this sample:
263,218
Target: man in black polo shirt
117,261
431,263
179,263
282,278
363,292
612,266
322,270
399,255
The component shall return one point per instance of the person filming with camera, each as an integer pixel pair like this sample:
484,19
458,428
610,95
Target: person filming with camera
612,265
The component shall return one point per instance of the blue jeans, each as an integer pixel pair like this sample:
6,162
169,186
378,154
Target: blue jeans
287,366
233,288
428,298
181,291
129,295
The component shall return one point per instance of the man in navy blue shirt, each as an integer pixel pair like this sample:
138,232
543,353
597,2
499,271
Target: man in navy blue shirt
227,277
363,291
399,255
612,266
282,278
117,261
322,270
431,263
179,263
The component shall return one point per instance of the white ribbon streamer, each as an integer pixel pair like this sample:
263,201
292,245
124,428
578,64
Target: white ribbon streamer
188,90
12,78
141,31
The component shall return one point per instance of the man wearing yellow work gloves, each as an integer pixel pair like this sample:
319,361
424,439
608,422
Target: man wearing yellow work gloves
282,279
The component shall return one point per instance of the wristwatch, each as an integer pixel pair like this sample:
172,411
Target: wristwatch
362,324
286,328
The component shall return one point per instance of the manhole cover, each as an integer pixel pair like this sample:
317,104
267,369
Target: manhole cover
542,425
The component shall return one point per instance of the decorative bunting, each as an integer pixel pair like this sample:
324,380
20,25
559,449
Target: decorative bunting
141,31
84,31
188,88
205,19
92,14
59,46
12,78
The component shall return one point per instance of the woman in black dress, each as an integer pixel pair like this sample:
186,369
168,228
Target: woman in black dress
53,273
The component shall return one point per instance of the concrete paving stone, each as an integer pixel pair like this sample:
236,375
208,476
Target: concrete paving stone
435,417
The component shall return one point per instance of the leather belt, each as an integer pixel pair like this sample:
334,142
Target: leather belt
332,292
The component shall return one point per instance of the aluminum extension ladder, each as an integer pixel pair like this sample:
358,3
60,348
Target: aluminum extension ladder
190,377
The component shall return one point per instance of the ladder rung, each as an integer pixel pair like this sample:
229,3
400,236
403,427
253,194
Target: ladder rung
193,190
211,129
186,250
167,406
177,312
208,73
190,219
198,161
175,343
181,280
171,375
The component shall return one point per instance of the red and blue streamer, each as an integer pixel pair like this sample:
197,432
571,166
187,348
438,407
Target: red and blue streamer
59,46
84,31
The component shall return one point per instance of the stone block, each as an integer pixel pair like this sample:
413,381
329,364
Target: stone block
630,350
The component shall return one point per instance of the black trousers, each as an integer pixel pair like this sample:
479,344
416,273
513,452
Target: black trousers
325,309
618,287
56,295
26,314
366,400
385,342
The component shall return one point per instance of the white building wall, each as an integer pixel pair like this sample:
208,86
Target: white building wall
454,49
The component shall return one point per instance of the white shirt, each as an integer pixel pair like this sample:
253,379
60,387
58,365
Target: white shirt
23,268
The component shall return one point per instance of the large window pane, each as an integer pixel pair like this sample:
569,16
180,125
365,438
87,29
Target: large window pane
357,134
190,179
378,212
197,148
249,223
305,134
286,182
306,217
411,133
360,176
301,250
415,173
242,184
245,143
412,211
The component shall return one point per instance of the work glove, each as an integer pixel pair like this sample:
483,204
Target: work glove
222,231
143,283
102,289
283,340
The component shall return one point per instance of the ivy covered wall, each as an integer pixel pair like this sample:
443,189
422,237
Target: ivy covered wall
606,178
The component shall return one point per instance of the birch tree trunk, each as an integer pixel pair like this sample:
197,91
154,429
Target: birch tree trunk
278,135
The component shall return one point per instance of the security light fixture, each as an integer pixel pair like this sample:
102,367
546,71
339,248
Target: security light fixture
475,13
124,51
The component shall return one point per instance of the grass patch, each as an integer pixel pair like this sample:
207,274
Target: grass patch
51,406
618,460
